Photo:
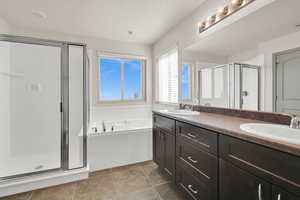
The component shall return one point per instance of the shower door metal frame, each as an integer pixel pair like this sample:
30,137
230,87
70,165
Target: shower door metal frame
242,66
64,67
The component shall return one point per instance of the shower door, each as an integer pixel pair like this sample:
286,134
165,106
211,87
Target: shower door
30,108
249,89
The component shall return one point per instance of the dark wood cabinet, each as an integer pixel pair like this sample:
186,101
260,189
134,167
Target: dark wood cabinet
169,154
199,137
196,162
236,184
274,166
206,165
164,145
158,147
280,194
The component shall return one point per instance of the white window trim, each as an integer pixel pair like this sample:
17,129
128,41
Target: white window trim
156,100
212,80
96,82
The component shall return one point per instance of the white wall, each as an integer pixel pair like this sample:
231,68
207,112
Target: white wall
4,27
5,93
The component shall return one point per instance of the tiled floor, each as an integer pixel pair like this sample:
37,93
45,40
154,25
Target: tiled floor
141,181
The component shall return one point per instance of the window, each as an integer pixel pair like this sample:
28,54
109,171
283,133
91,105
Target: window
206,83
186,82
212,82
168,78
120,79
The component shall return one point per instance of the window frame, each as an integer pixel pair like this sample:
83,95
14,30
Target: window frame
212,82
143,99
167,53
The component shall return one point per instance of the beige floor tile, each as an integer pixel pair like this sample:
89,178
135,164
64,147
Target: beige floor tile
22,196
155,176
61,192
96,188
148,194
132,184
127,172
169,191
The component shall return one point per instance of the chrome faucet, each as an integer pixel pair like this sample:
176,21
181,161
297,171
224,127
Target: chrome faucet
103,126
295,123
186,106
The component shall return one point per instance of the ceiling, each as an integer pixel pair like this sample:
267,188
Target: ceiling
275,20
110,19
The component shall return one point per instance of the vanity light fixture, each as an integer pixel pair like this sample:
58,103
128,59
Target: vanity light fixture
221,13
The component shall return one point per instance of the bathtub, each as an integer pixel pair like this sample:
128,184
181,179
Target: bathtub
119,127
124,142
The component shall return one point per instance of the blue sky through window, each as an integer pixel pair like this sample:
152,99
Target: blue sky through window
132,79
110,79
185,82
118,75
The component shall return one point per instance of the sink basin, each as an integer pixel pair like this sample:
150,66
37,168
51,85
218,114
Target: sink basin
181,112
272,131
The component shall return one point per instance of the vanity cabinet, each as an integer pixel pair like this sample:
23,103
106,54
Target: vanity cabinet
237,184
280,194
164,145
196,162
276,167
206,165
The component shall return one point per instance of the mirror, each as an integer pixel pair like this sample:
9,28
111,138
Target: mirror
252,63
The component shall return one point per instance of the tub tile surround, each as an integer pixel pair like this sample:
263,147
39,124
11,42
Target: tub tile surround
141,181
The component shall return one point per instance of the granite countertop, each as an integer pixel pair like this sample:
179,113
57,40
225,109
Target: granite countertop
230,126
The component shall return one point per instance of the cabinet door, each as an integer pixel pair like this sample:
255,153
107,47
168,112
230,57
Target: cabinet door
236,184
158,147
169,154
280,194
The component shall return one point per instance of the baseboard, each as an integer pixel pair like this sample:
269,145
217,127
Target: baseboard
25,184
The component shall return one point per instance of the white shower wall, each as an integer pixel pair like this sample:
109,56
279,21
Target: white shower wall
30,114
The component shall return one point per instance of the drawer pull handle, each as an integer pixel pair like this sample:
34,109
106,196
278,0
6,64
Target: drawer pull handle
259,192
191,135
279,197
192,190
192,160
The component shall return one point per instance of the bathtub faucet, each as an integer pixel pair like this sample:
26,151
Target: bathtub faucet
103,126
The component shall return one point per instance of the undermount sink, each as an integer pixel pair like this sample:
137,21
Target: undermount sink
181,112
272,131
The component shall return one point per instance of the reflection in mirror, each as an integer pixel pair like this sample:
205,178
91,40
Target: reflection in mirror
252,63
230,86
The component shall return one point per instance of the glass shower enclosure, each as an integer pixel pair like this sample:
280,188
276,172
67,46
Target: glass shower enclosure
43,106
235,85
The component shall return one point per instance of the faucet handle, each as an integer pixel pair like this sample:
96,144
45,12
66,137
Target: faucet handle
295,122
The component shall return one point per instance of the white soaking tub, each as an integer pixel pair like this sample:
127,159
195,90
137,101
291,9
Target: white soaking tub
123,142
119,127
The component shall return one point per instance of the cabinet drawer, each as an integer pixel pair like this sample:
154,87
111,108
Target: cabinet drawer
192,187
277,167
201,138
202,164
164,123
